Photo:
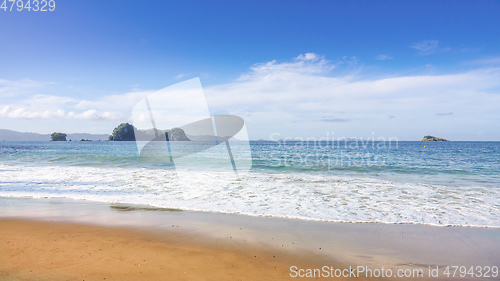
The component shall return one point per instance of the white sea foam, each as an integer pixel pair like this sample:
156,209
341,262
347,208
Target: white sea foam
316,196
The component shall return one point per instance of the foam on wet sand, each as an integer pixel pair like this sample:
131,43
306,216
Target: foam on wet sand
61,239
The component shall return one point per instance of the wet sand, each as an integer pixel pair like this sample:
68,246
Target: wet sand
61,239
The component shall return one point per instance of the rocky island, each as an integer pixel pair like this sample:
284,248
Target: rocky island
432,138
126,132
58,137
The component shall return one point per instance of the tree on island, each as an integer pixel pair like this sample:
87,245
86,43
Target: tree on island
58,137
177,134
124,132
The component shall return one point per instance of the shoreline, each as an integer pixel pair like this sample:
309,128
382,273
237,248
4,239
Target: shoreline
144,207
375,245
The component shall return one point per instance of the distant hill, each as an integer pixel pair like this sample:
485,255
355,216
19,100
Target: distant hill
93,137
208,138
9,135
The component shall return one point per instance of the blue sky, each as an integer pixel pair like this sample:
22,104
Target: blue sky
289,68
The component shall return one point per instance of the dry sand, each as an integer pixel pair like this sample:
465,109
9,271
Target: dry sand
34,250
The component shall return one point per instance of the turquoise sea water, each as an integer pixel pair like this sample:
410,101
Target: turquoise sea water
443,183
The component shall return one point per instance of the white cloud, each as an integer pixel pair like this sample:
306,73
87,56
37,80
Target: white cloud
308,63
278,96
180,76
304,88
309,95
334,120
308,56
444,114
9,88
426,47
486,61
384,57
108,108
47,101
116,102
24,113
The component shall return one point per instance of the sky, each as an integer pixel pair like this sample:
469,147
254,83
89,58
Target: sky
290,69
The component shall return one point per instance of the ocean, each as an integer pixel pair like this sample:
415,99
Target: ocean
433,183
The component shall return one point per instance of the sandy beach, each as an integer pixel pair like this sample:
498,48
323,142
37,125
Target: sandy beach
249,140
60,239
33,250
